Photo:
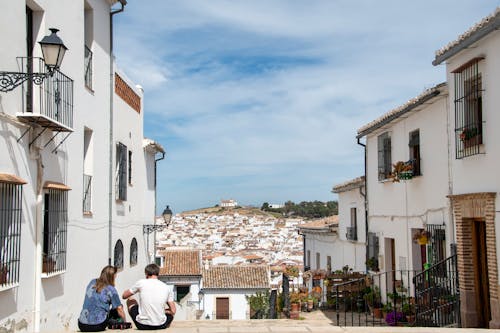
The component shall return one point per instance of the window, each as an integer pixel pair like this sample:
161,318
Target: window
133,252
468,109
352,231
55,224
118,262
318,262
10,230
121,171
384,156
181,292
130,167
309,258
329,264
89,37
414,145
88,147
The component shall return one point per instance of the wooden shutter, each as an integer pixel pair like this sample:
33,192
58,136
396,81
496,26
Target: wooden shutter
121,156
222,308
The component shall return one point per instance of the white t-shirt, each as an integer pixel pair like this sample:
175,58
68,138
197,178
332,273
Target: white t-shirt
152,297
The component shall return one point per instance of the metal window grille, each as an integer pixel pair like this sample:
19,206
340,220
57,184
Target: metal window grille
352,231
87,193
309,258
414,145
88,67
55,225
121,172
130,167
437,243
10,232
318,262
384,156
133,252
118,257
373,246
468,110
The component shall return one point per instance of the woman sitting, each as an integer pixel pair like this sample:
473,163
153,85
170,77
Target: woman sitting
100,297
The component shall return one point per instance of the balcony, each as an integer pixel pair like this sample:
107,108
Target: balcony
48,104
352,233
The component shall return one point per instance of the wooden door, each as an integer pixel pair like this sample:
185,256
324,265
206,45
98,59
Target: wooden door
222,308
481,273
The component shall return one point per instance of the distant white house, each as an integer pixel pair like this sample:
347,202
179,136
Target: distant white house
228,203
276,206
225,289
351,227
181,268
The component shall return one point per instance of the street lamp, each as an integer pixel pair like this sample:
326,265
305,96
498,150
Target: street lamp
167,215
53,50
147,229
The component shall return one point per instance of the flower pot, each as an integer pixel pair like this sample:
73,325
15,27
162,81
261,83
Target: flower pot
295,307
377,313
422,240
310,305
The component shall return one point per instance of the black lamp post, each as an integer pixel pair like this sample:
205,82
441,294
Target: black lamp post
147,229
53,50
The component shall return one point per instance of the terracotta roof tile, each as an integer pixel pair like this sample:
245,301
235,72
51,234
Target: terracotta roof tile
236,277
181,263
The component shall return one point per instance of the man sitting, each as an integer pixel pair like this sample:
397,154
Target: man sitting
147,308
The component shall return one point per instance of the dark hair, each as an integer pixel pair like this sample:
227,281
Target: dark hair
107,278
152,269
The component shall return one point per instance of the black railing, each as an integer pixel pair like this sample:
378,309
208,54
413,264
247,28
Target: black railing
55,93
352,233
377,300
88,67
437,295
87,193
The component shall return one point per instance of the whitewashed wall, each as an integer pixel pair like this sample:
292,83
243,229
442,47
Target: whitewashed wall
238,305
478,173
60,297
397,208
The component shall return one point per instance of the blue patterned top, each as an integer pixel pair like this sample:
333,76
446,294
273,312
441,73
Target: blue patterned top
96,305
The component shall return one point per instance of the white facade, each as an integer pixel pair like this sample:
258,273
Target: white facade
397,210
350,244
228,203
51,301
239,309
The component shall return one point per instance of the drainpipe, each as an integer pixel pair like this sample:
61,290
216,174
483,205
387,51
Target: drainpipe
365,195
111,145
154,222
38,244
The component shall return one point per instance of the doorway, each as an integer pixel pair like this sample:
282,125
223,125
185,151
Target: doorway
480,263
222,308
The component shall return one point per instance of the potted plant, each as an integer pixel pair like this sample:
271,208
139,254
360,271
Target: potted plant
394,317
372,264
469,137
401,171
295,302
291,271
421,237
387,308
4,271
409,311
373,299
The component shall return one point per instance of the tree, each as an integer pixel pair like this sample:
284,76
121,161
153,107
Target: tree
265,206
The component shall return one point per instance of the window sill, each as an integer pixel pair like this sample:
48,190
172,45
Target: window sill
52,274
9,286
87,214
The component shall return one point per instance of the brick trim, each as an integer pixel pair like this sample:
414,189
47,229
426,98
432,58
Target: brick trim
123,90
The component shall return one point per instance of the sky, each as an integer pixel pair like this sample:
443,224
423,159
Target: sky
260,101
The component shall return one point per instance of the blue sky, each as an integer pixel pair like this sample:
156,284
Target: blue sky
260,100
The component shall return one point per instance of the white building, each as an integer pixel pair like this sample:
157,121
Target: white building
182,269
70,206
225,289
414,134
228,203
473,75
351,226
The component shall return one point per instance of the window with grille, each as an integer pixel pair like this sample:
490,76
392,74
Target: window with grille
352,230
10,232
118,257
55,224
318,261
414,145
329,264
309,258
384,156
121,172
468,109
130,167
133,252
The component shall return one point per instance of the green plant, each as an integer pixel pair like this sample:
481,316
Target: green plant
387,307
408,309
259,304
291,271
372,264
372,297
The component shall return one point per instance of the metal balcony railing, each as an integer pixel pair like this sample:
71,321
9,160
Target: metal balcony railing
352,233
88,67
49,103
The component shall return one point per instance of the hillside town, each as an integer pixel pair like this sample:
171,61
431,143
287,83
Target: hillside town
231,238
